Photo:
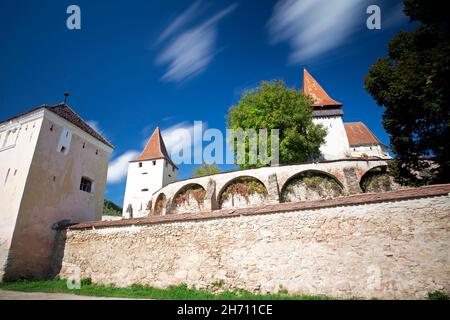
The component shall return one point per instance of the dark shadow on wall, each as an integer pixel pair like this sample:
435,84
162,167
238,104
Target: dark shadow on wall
36,257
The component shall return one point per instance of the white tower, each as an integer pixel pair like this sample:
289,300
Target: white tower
327,112
149,172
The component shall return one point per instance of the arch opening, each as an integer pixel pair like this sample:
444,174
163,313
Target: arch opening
242,192
378,180
190,198
311,185
160,204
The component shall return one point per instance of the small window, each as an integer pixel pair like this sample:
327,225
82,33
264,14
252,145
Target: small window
140,165
84,145
144,190
154,162
51,128
96,151
86,185
144,172
6,178
63,149
166,163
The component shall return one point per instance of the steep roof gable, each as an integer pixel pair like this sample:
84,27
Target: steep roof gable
155,148
313,89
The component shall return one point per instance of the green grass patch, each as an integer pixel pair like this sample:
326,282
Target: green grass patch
179,292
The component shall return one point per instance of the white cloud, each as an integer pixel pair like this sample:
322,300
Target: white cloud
188,53
117,169
180,21
314,27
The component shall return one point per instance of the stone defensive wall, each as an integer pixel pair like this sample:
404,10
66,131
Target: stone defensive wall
347,174
373,245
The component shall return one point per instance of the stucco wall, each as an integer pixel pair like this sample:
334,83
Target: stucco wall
51,193
390,249
15,160
150,177
336,142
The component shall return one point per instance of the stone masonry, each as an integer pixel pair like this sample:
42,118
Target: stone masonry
391,245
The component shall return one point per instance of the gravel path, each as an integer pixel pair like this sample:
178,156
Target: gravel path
17,295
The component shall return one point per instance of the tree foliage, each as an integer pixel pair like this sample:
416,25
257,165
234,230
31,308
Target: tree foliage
111,209
273,105
412,84
206,170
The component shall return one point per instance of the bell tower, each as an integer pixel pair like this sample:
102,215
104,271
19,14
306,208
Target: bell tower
327,112
149,172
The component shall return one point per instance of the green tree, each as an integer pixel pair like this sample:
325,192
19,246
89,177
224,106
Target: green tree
412,84
111,209
206,170
273,105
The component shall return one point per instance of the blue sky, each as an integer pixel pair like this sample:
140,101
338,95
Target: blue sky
137,64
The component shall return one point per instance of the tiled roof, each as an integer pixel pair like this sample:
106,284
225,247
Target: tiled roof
359,135
155,149
65,112
359,199
313,89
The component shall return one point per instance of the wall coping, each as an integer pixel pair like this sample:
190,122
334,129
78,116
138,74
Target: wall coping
359,199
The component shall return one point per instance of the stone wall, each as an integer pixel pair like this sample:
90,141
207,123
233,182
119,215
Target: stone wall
391,245
348,173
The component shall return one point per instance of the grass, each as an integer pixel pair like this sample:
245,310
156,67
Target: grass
179,292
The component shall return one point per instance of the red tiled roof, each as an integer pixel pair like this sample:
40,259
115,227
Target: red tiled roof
65,112
155,148
313,89
358,199
359,135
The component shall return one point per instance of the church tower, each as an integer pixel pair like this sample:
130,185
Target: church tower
328,112
149,172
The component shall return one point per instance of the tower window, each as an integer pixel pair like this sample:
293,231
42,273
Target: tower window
154,162
144,190
86,184
64,141
140,165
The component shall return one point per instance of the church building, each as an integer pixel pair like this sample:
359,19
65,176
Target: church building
344,140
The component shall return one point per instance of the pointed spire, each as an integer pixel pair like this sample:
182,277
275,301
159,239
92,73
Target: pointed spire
155,148
313,89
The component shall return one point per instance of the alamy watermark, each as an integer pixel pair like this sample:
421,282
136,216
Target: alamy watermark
237,146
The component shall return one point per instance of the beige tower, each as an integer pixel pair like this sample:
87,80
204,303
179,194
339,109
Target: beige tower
149,172
53,168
